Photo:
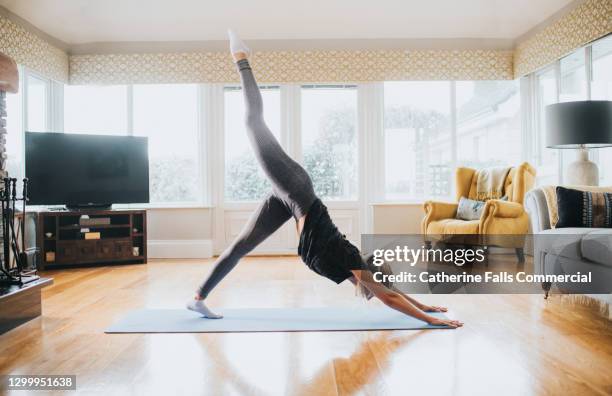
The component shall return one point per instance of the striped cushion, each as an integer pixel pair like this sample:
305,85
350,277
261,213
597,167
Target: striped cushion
584,208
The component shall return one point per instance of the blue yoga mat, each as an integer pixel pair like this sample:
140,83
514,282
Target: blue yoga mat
268,320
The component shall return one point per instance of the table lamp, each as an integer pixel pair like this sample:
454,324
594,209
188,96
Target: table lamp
580,125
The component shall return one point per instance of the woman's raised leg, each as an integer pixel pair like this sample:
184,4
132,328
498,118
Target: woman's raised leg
289,180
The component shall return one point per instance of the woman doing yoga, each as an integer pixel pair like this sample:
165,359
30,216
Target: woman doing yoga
322,247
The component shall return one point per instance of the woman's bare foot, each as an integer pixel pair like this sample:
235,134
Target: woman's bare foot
197,305
238,48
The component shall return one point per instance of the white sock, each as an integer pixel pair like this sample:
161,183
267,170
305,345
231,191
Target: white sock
237,45
199,307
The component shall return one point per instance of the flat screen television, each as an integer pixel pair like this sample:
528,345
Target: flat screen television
86,170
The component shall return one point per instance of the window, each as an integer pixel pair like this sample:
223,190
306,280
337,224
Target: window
14,137
601,85
573,77
418,144
168,116
488,123
423,146
37,104
547,158
601,89
95,109
330,141
244,179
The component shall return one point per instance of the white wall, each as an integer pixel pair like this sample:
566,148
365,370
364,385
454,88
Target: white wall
180,232
397,218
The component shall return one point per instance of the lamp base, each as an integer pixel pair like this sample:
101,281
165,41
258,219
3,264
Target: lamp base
583,172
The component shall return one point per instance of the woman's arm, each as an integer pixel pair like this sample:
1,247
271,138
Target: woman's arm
398,301
418,304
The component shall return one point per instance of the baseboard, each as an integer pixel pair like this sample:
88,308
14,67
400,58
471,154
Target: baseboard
184,248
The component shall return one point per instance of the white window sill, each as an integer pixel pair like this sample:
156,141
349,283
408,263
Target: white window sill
398,203
337,205
411,202
177,205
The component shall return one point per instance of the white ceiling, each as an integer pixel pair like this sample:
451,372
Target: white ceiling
88,21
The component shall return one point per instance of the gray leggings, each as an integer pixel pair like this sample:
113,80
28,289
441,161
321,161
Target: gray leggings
292,192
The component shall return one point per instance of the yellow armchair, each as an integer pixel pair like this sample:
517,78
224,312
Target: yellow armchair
498,217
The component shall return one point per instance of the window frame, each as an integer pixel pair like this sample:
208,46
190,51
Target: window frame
28,75
53,107
538,140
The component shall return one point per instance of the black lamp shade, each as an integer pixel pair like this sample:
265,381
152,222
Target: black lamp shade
579,124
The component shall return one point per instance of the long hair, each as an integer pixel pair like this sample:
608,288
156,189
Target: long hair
384,269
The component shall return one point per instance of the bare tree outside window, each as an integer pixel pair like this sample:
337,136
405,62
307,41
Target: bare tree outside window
330,142
244,179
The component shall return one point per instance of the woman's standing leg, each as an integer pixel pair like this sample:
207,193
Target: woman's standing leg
269,217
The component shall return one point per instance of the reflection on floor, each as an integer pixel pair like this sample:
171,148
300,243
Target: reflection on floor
511,344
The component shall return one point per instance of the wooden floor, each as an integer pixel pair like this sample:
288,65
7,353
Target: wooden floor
510,345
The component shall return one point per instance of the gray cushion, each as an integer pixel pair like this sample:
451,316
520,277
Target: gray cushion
597,246
564,242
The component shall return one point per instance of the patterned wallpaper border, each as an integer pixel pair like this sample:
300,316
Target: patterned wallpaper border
29,50
293,66
587,22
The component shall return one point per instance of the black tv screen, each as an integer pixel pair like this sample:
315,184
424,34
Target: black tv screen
86,170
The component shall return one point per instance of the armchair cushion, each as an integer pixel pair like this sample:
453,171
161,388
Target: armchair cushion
453,227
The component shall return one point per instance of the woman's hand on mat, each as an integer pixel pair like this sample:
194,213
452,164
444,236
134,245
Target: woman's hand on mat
444,322
432,308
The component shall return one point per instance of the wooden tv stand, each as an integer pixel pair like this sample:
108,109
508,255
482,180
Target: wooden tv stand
61,237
